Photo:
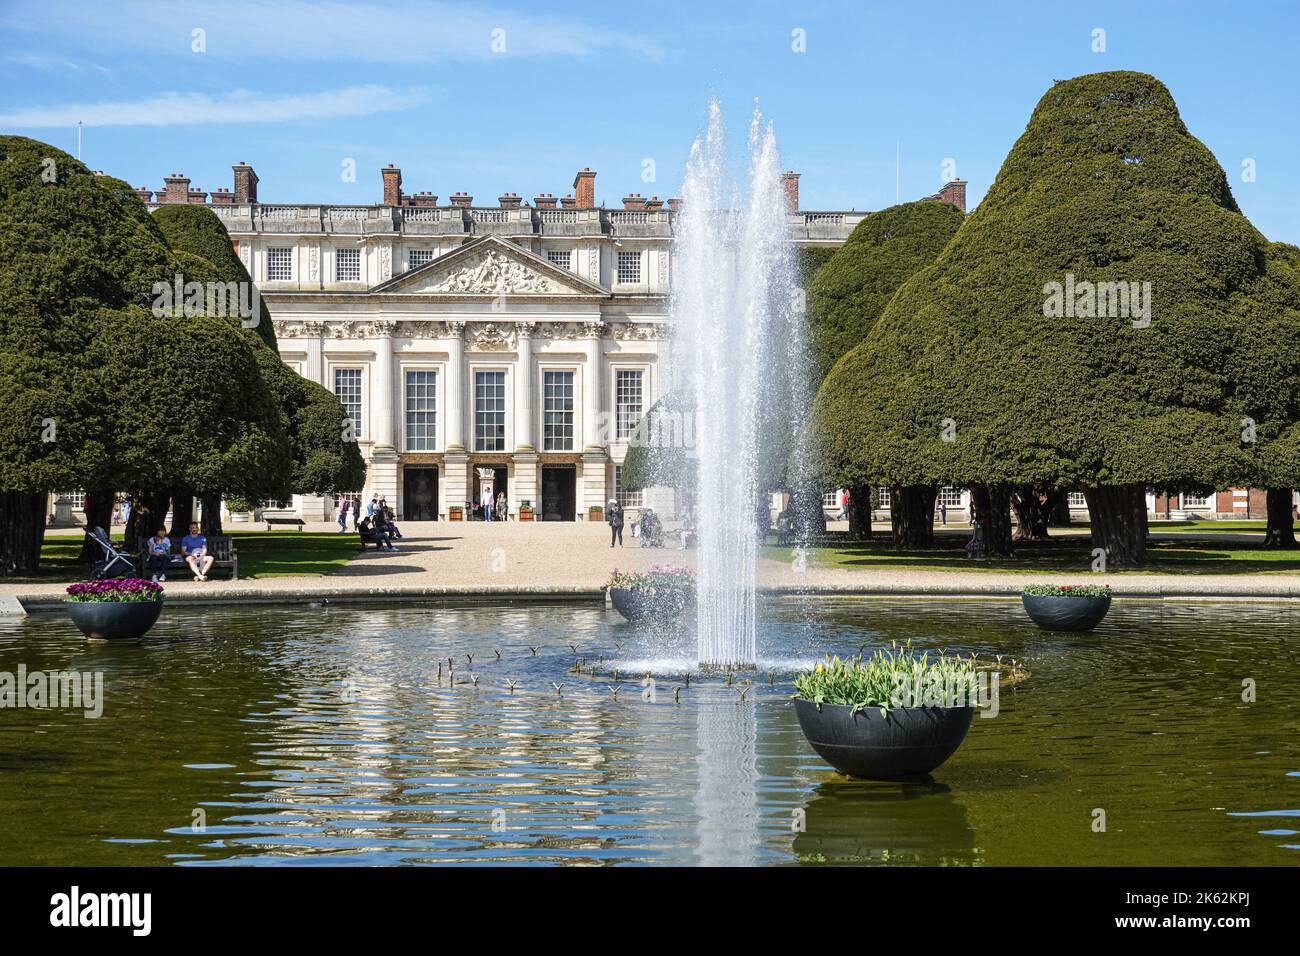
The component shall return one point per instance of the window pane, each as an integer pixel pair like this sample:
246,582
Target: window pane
628,499
557,411
420,257
421,410
627,391
347,265
490,411
629,267
347,386
563,259
279,265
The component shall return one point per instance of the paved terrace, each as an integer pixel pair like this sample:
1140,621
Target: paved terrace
572,560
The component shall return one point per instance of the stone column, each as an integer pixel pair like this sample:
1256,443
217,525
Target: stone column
383,452
595,457
455,478
525,459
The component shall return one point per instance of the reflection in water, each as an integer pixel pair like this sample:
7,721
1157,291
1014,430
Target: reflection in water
860,822
305,735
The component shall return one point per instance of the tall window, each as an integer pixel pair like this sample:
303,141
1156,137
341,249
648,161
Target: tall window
629,267
1077,500
347,386
628,401
420,257
279,264
830,499
490,411
76,499
421,410
882,497
557,411
561,258
628,499
347,265
950,497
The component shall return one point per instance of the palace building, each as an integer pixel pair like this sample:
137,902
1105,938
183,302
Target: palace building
512,345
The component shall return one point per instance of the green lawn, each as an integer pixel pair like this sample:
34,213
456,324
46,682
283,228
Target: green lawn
1072,555
262,554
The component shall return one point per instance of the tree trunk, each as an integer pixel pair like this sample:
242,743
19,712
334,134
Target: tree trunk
1118,514
1031,510
860,513
182,511
993,505
1280,532
22,531
148,514
807,516
911,514
211,515
1057,508
99,514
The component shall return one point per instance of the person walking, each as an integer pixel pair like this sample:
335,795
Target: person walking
501,506
485,500
943,513
614,515
356,513
343,516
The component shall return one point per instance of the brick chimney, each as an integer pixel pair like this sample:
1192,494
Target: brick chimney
222,197
245,183
509,201
197,196
584,188
790,183
654,202
462,199
544,201
146,196
955,193
568,202
177,188
426,199
675,204
392,185
633,201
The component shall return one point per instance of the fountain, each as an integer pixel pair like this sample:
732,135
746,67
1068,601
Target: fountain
736,363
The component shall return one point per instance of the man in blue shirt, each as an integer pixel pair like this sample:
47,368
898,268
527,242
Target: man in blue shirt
194,548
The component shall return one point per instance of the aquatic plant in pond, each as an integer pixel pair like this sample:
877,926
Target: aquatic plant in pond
121,591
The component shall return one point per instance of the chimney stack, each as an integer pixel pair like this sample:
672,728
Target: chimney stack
584,189
462,199
197,196
509,201
425,199
790,183
177,188
222,197
654,202
675,205
633,201
392,185
954,192
544,201
245,184
568,202
146,196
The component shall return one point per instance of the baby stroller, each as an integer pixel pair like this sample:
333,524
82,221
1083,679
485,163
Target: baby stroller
115,564
652,530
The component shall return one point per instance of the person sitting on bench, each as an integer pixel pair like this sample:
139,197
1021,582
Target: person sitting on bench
194,549
160,554
371,534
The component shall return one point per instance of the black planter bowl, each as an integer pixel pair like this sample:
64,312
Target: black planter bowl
638,606
114,620
907,742
1057,613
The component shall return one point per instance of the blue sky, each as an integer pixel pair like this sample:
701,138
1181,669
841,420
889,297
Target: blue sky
297,88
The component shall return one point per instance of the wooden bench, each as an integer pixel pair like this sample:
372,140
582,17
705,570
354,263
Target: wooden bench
221,548
272,521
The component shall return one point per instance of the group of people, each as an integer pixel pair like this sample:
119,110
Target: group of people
492,509
378,527
194,552
648,527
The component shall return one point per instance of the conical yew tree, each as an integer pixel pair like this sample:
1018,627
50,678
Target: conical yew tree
1081,328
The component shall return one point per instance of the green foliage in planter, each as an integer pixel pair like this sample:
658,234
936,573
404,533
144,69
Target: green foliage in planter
1067,590
881,679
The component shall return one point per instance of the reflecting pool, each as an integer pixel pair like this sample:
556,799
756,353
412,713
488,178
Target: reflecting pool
326,735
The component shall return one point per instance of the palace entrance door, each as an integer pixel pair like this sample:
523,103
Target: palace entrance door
559,492
419,493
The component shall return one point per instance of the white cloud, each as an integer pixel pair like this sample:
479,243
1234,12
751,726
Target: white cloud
241,106
55,64
328,30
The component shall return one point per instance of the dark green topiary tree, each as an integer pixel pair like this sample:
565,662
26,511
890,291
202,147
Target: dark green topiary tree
847,296
998,366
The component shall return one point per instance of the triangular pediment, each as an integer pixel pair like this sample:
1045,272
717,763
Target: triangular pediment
489,266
